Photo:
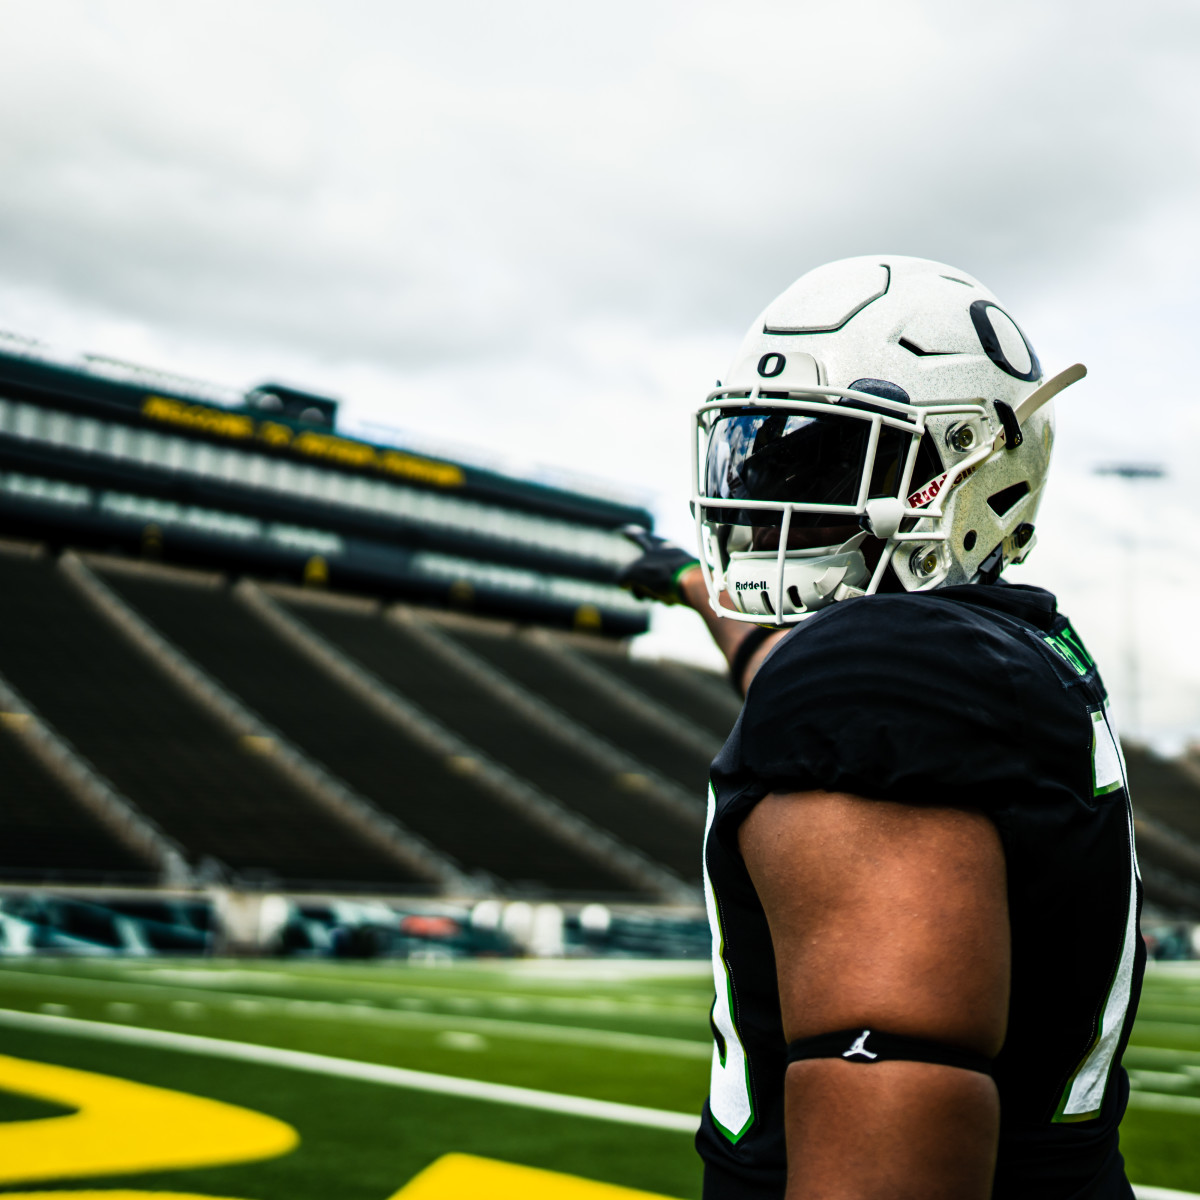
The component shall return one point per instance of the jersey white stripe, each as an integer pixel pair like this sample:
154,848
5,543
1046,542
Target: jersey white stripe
1107,774
1085,1093
729,1091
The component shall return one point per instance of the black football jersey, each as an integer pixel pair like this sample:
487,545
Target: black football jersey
977,696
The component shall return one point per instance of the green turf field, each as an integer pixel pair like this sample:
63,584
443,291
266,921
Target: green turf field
630,1034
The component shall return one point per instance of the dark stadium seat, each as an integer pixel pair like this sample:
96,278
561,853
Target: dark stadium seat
165,754
1164,790
523,661
701,697
399,774
403,663
46,834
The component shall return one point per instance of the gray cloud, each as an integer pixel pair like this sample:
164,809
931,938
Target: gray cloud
542,228
416,187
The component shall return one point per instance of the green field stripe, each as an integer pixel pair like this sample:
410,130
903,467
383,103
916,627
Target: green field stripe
1147,1079
347,1068
1164,1102
1184,969
1161,1054
427,979
1186,1014
684,1009
330,1010
1168,1028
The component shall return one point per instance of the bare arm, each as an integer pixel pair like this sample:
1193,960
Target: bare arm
671,575
728,635
890,917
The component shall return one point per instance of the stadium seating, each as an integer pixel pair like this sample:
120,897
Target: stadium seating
431,796
45,834
1165,791
389,650
698,696
226,804
166,755
529,665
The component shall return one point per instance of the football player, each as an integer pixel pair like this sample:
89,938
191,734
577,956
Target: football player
924,780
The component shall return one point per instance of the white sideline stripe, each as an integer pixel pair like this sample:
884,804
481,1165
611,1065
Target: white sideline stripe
346,1068
1142,1192
342,1010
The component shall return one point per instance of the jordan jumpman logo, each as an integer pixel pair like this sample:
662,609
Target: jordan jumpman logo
860,1046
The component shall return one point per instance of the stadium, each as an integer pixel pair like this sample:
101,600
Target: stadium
385,423
347,849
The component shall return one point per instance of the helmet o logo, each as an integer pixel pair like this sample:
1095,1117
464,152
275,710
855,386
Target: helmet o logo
771,365
990,340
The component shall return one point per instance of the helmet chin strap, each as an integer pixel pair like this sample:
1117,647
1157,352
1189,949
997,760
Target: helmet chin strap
816,577
844,568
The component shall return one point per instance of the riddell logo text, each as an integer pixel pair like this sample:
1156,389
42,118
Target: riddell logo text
749,587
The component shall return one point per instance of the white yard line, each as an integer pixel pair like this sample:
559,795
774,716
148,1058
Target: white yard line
343,1012
345,1068
445,1085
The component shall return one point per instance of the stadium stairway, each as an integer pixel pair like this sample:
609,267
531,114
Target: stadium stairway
160,750
467,756
1166,804
96,809
1166,790
702,698
509,727
388,835
668,723
528,663
46,834
431,794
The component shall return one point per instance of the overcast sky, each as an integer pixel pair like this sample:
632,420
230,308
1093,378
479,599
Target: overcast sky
537,231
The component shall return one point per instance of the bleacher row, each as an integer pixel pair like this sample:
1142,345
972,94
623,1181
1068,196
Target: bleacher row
270,736
599,801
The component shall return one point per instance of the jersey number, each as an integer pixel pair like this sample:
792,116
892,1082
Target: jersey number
729,1100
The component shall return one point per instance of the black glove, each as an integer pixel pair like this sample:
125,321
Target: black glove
656,575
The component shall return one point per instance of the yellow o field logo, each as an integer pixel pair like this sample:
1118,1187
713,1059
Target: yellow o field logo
119,1127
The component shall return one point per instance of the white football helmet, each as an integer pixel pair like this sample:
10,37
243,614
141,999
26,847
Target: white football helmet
886,398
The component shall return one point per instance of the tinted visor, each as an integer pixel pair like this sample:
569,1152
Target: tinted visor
798,458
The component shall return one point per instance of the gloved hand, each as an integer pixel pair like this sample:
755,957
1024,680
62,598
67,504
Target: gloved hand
656,575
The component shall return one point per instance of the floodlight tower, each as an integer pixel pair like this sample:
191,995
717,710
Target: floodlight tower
1132,472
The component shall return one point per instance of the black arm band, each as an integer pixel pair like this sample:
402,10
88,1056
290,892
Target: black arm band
872,1046
746,650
